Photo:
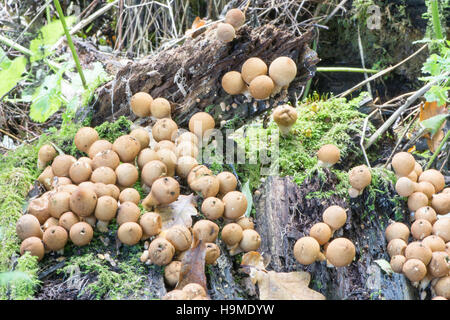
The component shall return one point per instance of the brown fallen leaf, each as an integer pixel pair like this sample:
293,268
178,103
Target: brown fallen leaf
179,212
427,111
195,25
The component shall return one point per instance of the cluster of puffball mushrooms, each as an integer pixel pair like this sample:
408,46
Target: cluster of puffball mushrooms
426,258
253,77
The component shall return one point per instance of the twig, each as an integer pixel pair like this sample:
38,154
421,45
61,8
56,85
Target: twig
338,7
345,69
11,135
438,150
379,74
399,111
363,136
361,53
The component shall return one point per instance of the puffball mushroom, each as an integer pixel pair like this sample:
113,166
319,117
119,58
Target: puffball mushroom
417,200
225,32
187,136
282,71
232,83
232,234
252,68
164,129
328,155
127,148
396,247
180,237
197,172
84,138
152,171
251,240
414,269
235,17
403,163
235,205
175,295
212,208
205,230
161,108
335,217
434,177
161,251
130,194
360,177
99,146
46,178
169,158
321,232
185,165
441,228
28,226
146,155
127,212
58,203
165,144
164,191
227,182
206,186
285,116
104,175
340,252
397,230
142,136
61,165
127,174
81,234
397,263
307,250
129,233
416,250
51,222
55,238
405,187
105,211
439,265
151,223
83,202
80,171
46,154
442,287
194,290
426,213
246,223
186,149
200,123
212,253
67,220
421,228
141,103
172,273
39,208
441,203
435,243
34,246
261,87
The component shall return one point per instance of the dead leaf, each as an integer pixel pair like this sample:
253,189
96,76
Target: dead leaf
193,266
195,25
179,212
429,110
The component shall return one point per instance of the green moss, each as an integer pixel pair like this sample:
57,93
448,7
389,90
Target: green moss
111,131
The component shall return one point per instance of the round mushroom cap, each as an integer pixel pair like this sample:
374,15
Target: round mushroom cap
421,228
165,144
442,287
397,230
225,32
161,108
435,243
252,68
198,172
441,228
84,138
246,223
251,240
34,246
306,250
417,200
28,226
427,188
127,174
61,165
340,252
434,177
39,208
130,194
439,265
329,154
106,208
67,220
58,203
129,233
151,223
99,146
232,234
397,263
169,158
416,250
201,122
335,217
235,205
261,87
81,234
146,155
405,187
441,203
161,251
127,148
213,208
185,165
212,253
235,17
55,238
46,178
187,136
152,171
205,230
142,136
282,70
141,103
194,290
396,247
127,212
166,190
80,171
321,232
104,175
206,186
180,237
285,115
175,295
51,222
360,177
227,182
47,153
232,83
164,129
414,269
83,201
426,213
403,163
172,273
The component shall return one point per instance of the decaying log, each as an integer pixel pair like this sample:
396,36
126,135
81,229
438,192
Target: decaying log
190,75
284,214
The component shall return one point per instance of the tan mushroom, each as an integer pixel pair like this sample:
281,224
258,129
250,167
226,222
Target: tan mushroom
142,136
307,250
84,138
252,68
141,103
164,129
340,252
283,70
225,32
161,108
235,205
261,87
233,83
34,246
235,17
127,148
46,154
328,155
81,234
129,233
403,163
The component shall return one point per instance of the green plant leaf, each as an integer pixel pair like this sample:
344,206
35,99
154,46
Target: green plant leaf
248,194
47,99
12,75
5,62
48,35
433,124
